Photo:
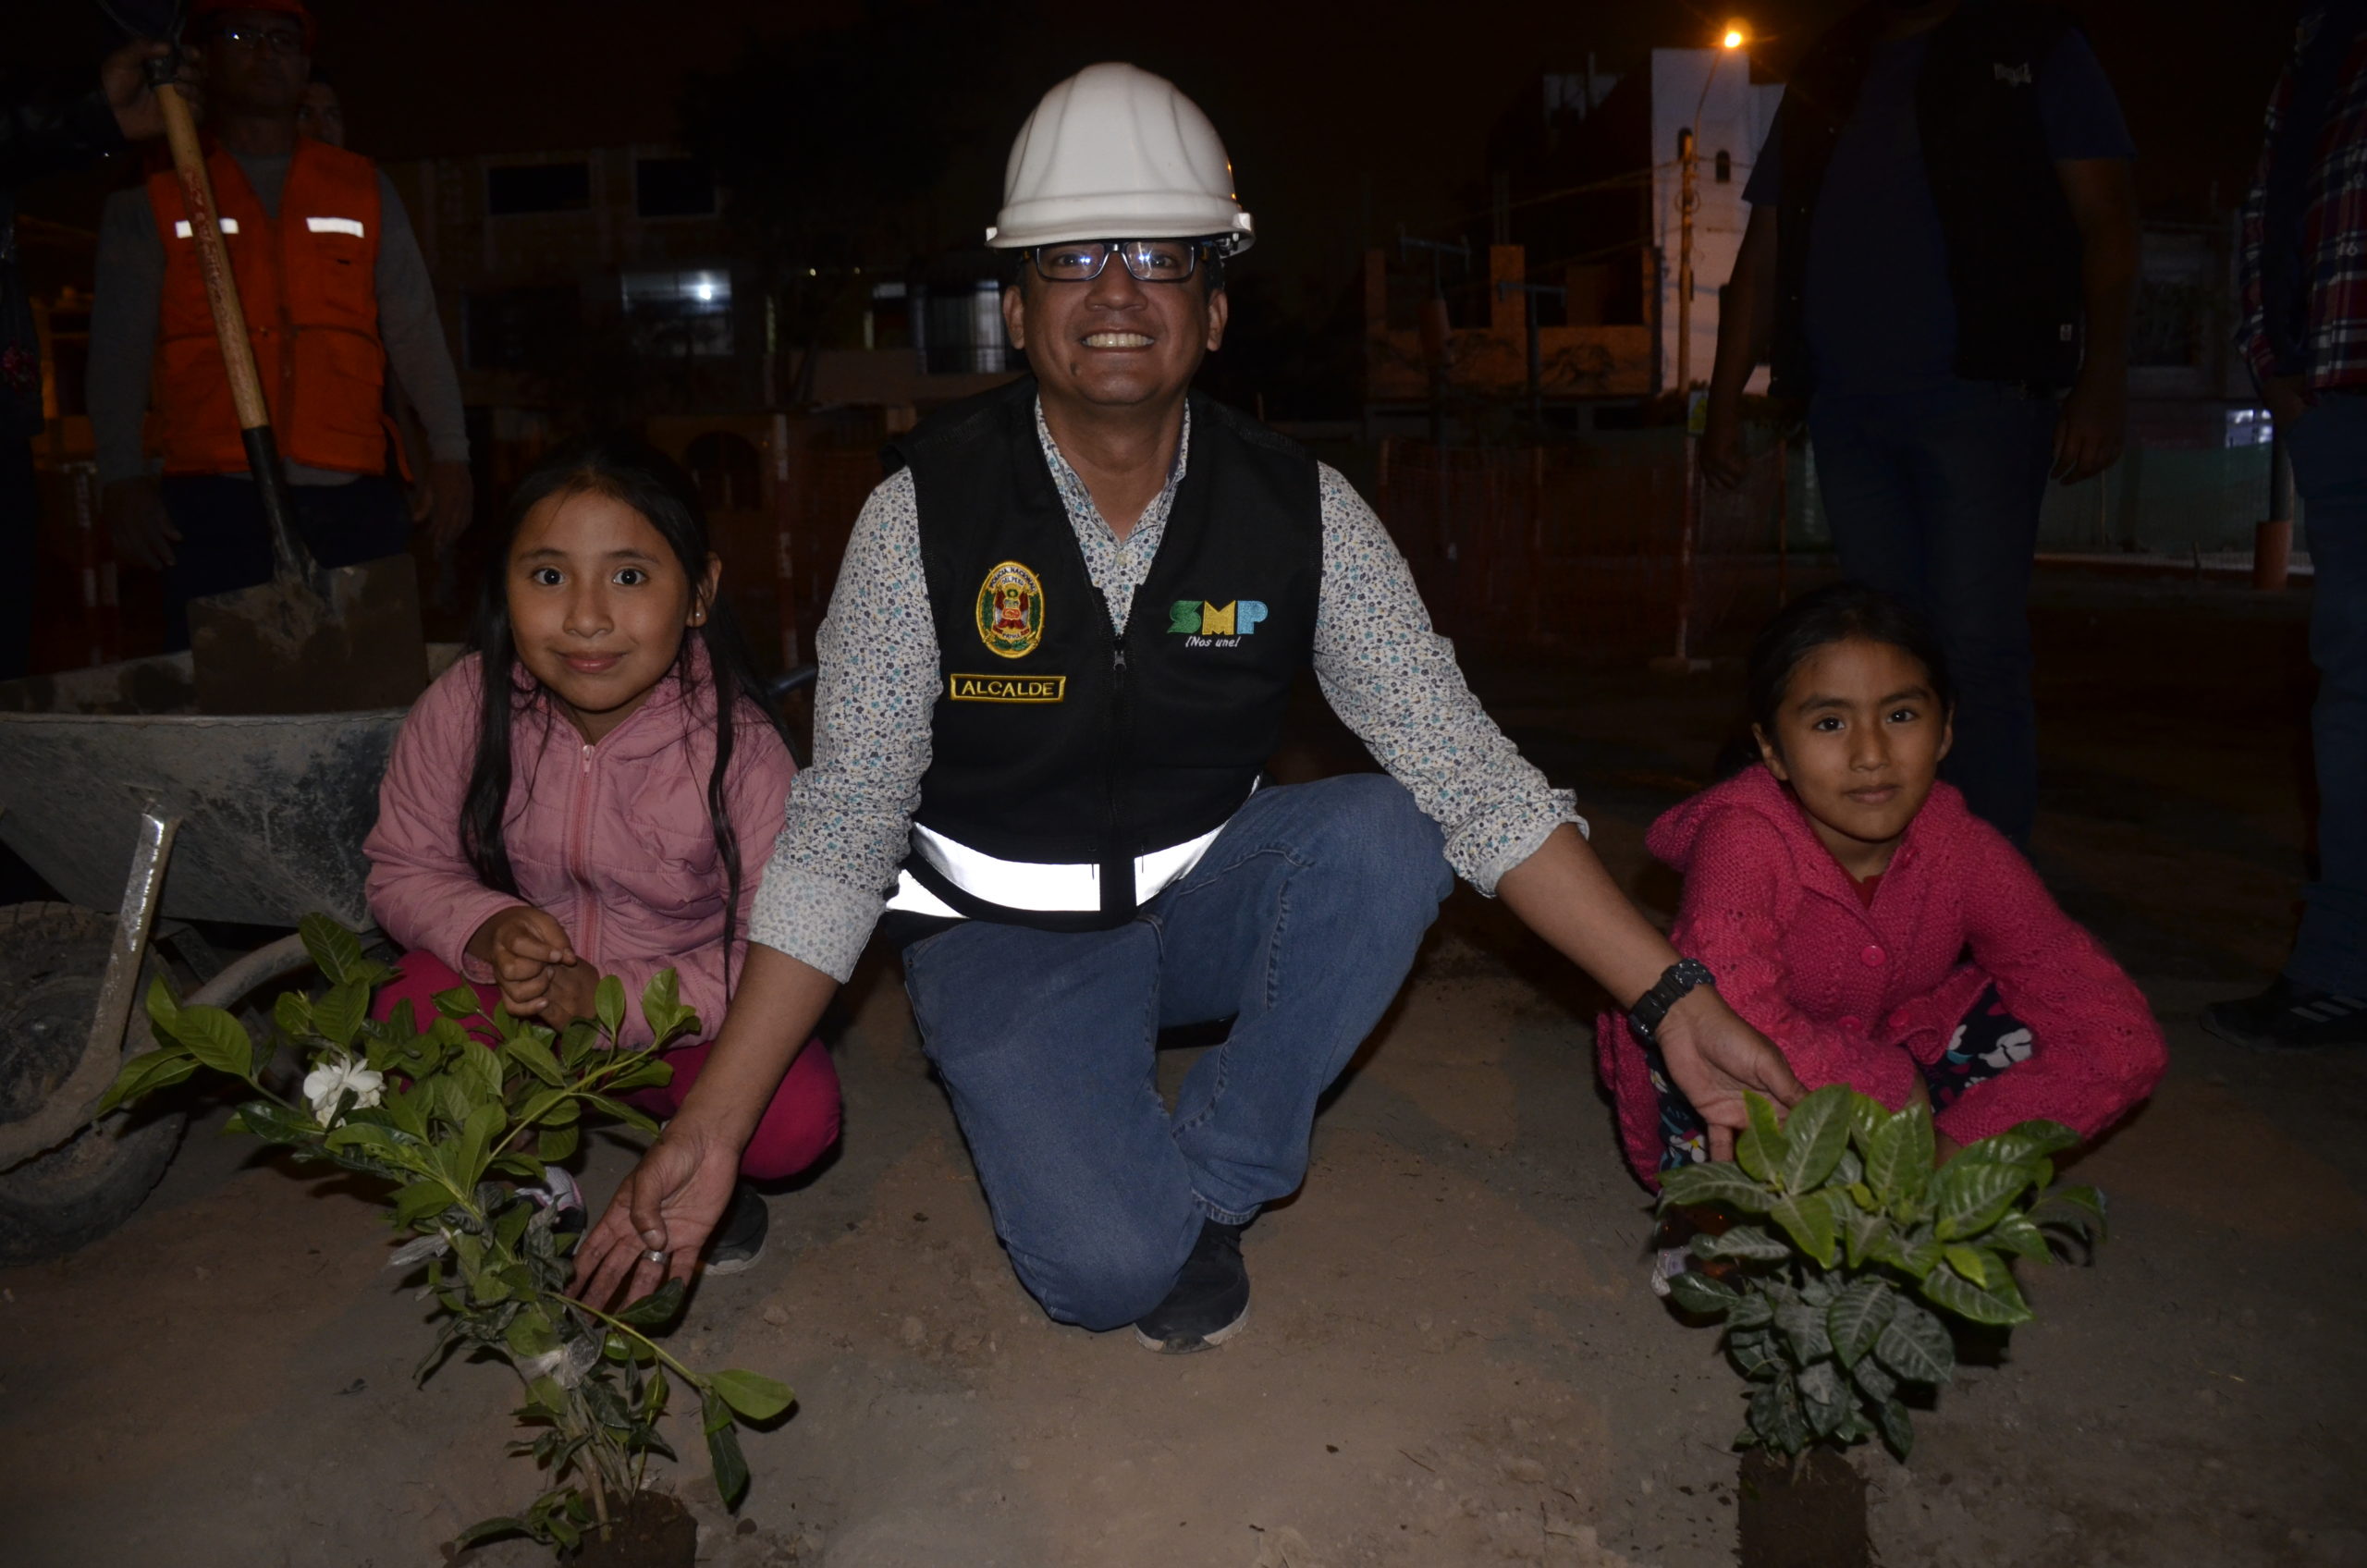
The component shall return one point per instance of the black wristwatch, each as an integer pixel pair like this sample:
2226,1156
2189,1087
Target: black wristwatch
1675,982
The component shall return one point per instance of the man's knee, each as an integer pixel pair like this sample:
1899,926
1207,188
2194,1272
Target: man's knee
1369,821
1107,1277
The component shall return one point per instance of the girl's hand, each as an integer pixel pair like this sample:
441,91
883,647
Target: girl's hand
523,945
669,1204
574,992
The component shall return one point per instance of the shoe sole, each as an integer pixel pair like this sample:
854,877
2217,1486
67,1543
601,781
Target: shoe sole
1205,1341
735,1265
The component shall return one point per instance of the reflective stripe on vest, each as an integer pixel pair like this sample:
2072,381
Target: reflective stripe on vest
335,225
1017,884
181,229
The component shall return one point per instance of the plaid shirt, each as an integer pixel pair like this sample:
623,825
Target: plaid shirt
2309,319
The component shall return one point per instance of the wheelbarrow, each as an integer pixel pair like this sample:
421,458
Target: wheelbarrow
170,835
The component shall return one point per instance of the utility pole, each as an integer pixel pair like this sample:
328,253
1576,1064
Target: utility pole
1689,200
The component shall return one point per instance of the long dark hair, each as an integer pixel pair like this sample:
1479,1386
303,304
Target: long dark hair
652,483
1844,612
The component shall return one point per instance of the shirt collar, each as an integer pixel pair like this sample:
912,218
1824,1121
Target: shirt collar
1079,500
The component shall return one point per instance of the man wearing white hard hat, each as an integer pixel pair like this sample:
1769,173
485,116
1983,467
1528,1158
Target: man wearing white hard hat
1058,658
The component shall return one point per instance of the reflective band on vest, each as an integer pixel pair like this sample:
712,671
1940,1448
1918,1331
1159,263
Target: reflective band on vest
181,229
335,225
1017,884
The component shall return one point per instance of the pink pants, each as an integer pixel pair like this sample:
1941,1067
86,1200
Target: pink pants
797,1129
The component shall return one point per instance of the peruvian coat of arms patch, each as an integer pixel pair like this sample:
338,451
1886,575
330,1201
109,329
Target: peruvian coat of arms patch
1011,611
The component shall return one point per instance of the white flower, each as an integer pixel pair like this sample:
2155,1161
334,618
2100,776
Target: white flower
326,1084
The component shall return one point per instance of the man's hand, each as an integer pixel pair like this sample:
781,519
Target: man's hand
451,498
2094,421
1713,1056
670,1203
142,533
523,946
2288,397
123,77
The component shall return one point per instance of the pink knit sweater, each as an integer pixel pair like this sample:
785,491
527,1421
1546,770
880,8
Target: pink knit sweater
1860,995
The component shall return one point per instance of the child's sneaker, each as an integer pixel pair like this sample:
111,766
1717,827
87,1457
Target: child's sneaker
1672,1246
739,1237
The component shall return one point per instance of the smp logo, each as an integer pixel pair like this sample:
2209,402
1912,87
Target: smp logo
1205,625
2012,76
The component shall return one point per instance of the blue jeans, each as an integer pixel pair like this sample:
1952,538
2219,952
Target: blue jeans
1934,496
2329,449
1299,925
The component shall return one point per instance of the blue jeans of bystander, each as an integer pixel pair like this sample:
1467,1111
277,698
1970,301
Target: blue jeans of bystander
1934,496
1299,925
2330,448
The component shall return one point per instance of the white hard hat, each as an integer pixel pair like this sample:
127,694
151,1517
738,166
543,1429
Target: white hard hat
1115,153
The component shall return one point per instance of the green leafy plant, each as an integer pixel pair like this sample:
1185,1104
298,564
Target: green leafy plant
460,1135
1841,1242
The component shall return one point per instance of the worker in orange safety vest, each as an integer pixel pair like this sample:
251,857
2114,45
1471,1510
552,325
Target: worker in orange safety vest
336,294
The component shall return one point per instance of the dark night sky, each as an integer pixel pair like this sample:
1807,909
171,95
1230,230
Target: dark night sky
1313,98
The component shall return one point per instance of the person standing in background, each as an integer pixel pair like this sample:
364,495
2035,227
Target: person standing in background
2305,334
44,133
336,293
1942,239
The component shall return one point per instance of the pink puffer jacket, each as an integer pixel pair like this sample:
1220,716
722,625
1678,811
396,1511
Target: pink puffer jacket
613,840
1850,993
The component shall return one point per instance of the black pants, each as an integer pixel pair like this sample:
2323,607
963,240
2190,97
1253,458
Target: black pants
19,554
222,548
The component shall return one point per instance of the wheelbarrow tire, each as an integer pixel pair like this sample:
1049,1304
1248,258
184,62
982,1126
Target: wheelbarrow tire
52,958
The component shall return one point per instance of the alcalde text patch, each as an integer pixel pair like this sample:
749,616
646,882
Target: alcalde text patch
1006,688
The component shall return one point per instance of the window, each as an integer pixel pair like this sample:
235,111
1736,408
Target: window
515,189
517,328
1725,167
673,188
681,314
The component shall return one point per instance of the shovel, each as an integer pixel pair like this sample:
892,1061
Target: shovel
309,640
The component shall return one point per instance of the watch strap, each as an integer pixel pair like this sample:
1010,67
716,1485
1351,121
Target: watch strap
1676,982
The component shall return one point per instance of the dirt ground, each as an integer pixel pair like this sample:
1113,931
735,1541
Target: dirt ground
1454,1358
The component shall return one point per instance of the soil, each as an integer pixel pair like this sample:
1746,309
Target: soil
1810,1515
1455,1358
652,1530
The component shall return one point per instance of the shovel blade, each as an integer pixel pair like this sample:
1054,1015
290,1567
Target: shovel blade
353,644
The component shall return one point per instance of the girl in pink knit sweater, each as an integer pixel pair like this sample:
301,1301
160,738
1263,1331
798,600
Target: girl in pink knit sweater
592,790
1861,918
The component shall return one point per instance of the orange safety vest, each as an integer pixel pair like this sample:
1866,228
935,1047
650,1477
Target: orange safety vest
308,280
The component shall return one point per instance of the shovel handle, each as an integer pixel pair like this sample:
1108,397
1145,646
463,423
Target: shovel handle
289,558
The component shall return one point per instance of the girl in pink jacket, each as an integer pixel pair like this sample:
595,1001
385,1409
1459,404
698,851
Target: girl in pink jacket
1860,918
569,800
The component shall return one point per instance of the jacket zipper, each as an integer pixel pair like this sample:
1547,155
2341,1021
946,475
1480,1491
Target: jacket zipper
587,941
1116,858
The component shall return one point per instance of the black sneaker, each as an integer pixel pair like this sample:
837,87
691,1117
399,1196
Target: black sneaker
2288,1017
739,1240
1210,1301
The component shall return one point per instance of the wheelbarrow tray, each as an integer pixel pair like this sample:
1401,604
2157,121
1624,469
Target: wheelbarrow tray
274,808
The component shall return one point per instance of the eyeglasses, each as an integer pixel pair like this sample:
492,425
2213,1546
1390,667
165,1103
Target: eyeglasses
263,39
1145,260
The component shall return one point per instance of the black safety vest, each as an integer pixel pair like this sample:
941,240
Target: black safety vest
1054,740
2013,248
